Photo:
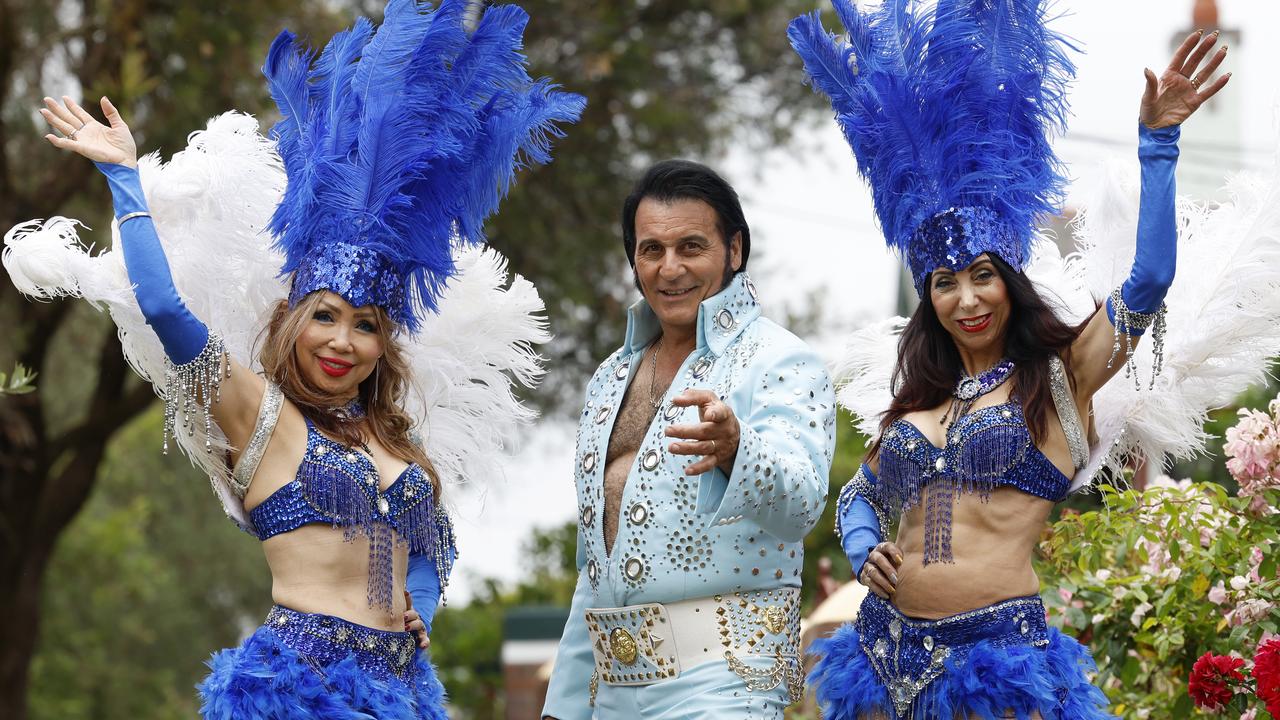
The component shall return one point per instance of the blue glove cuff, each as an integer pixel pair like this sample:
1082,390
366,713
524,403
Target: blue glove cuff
860,523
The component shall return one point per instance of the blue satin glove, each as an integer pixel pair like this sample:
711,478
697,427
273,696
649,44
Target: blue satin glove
1155,259
181,333
858,524
423,584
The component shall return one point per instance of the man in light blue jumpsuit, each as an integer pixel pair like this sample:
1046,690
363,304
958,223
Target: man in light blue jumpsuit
701,464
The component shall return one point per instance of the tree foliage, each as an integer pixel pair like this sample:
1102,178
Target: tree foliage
146,582
468,645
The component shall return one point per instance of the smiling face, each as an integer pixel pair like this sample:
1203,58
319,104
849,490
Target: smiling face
972,305
338,346
681,259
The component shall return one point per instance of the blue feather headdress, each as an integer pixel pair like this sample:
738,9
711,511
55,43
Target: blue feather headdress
398,143
947,110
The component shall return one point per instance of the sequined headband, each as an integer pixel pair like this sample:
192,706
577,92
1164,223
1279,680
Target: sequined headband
361,275
955,237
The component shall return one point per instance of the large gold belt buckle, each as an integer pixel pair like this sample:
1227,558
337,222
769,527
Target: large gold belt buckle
623,645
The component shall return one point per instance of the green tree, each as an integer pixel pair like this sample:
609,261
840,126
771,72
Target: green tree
469,650
169,66
146,582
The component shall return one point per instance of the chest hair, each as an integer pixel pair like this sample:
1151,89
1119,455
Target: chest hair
629,430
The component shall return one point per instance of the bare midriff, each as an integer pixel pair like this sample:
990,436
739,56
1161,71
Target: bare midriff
315,570
992,542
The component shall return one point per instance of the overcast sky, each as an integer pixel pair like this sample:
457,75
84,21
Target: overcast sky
814,232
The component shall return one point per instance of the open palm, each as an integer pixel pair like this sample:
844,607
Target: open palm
1181,90
110,143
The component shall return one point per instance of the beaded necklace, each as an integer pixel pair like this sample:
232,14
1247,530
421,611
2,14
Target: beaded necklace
971,387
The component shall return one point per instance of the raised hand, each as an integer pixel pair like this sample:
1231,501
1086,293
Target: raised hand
81,133
1181,89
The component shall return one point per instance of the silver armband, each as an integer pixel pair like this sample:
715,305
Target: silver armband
132,215
860,485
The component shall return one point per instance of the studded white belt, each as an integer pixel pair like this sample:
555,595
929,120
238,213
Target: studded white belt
653,642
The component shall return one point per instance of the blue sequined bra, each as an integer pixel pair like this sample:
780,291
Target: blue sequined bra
989,448
338,486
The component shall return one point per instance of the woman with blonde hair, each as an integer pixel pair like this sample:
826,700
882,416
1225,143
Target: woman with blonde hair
395,145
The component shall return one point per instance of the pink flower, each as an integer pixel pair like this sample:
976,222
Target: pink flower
1250,714
1218,594
1252,446
1249,611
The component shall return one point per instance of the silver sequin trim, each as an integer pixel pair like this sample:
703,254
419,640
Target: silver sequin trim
1126,321
860,485
268,415
1060,388
191,389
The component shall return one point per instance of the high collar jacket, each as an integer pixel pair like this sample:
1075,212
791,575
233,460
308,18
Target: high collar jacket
680,536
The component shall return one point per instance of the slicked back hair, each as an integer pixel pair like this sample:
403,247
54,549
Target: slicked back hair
672,180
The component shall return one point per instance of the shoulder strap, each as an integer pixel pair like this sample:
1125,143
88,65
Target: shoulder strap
268,415
1069,416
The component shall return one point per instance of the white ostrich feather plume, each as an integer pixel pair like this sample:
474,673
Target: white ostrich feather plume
211,204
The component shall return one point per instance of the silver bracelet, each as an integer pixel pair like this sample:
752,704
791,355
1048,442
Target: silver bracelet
132,215
1126,321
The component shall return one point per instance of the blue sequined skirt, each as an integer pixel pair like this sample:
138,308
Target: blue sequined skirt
303,665
994,662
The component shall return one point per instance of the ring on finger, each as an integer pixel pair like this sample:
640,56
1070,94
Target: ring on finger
72,136
713,447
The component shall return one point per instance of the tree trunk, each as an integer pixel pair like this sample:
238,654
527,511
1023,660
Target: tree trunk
20,619
44,482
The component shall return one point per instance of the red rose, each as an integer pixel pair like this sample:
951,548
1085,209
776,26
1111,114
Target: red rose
1266,671
1211,680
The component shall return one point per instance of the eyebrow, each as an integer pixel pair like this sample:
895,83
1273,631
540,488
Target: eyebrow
360,314
684,238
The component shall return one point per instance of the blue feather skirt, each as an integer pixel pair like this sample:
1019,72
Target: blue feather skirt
995,662
303,665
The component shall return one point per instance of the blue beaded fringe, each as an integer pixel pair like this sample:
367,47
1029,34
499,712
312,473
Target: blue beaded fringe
988,448
337,485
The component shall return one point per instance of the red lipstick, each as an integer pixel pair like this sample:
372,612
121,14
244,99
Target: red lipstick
334,367
984,321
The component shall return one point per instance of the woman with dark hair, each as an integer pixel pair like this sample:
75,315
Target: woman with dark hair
947,113
394,146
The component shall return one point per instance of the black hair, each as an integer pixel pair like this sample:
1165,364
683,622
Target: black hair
929,363
686,180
